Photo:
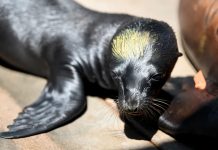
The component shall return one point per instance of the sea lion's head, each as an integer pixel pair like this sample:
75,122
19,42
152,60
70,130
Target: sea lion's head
144,53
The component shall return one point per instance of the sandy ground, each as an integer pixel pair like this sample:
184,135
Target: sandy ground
99,127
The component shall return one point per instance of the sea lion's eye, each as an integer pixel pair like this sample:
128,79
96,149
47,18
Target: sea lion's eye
115,75
157,77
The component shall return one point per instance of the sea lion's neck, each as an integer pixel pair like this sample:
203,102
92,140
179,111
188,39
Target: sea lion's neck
96,63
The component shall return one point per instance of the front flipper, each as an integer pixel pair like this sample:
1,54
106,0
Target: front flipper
62,101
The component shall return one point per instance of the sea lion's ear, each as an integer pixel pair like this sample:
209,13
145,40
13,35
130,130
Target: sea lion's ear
179,54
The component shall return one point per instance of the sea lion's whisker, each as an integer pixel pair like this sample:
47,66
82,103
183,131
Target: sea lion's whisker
121,112
159,106
150,112
160,101
146,113
141,109
107,113
117,133
153,108
111,115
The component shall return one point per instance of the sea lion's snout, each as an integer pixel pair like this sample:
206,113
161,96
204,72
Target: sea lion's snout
131,106
132,101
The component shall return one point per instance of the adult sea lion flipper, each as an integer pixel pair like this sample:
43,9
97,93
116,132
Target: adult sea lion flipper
59,103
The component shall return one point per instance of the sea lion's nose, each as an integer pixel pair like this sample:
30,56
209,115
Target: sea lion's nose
133,105
132,101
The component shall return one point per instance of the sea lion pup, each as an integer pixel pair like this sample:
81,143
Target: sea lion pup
67,44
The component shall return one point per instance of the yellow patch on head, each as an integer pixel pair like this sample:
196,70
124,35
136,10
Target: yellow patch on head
131,44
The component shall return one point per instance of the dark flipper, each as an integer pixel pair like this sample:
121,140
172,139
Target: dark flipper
61,101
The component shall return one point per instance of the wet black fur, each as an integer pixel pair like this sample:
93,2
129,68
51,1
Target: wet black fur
69,44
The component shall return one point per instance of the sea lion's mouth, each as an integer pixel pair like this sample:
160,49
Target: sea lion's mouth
151,108
131,112
134,113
